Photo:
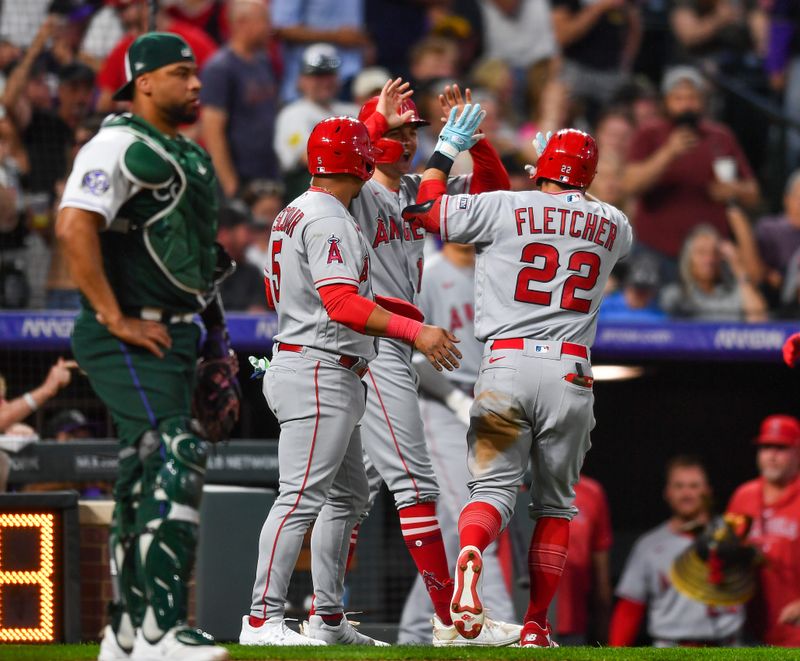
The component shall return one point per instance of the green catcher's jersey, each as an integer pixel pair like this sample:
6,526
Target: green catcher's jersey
158,196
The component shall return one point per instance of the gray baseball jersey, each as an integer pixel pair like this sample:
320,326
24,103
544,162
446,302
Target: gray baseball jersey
448,300
671,615
317,401
396,247
315,242
543,260
391,428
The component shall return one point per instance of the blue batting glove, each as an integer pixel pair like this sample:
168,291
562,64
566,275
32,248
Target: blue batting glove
540,141
458,133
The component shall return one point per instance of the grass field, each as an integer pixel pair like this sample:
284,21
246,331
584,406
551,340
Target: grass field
408,653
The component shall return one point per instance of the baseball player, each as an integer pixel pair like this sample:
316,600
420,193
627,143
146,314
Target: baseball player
543,259
137,224
645,587
447,299
320,284
392,428
772,501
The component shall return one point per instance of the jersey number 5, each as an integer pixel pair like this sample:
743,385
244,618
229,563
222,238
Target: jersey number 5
547,272
275,278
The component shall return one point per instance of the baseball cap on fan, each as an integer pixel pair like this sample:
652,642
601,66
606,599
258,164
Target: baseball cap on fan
149,52
320,60
779,430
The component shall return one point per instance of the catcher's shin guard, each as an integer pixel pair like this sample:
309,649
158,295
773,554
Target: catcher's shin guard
126,609
169,517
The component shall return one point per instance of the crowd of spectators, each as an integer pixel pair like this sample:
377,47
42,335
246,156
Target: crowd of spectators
691,161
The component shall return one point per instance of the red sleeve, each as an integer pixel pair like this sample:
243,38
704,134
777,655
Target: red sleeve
433,189
489,172
345,306
112,74
401,307
376,125
625,622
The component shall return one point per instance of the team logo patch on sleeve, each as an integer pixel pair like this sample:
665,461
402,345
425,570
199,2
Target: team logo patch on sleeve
334,254
464,202
96,182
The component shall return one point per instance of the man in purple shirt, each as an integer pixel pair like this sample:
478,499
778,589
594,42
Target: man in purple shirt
239,98
779,236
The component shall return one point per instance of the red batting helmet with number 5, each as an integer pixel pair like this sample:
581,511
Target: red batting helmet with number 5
570,158
341,145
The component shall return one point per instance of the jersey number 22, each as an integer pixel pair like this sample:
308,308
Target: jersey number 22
547,272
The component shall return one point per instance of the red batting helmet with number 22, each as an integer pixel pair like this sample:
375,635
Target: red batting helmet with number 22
569,158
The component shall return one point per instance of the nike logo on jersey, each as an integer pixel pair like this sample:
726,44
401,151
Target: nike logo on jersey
202,169
447,285
494,359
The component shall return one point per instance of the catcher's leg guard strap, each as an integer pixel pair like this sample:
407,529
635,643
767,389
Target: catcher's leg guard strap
127,606
173,476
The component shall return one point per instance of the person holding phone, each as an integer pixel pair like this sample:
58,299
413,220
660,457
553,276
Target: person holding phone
684,169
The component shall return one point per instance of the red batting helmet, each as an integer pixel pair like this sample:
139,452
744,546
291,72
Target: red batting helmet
392,149
340,145
570,158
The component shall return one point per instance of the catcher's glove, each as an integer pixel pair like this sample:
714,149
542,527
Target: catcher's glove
215,404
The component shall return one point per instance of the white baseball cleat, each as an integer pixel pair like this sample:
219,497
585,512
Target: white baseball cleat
466,608
534,636
180,643
493,634
273,632
343,633
110,648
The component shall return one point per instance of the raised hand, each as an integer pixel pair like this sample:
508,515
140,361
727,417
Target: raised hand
451,98
390,100
539,143
59,376
460,132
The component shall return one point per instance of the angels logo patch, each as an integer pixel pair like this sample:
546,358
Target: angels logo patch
96,182
334,254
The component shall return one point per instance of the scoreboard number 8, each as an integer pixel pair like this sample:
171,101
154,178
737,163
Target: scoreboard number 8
31,575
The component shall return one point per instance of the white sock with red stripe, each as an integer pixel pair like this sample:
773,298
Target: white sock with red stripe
423,538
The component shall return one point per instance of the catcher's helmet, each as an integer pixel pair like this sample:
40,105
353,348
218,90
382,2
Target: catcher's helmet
391,149
341,145
570,158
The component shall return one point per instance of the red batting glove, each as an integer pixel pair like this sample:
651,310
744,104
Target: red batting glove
791,350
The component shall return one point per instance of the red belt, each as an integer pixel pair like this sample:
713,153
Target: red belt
519,343
345,361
